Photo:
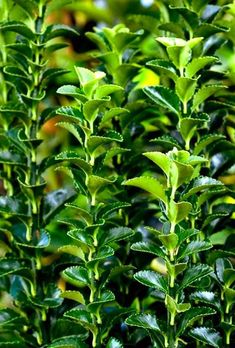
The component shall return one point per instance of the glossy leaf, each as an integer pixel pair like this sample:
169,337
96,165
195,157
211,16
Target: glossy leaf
194,247
197,64
191,315
76,275
164,97
185,88
114,343
203,94
195,273
206,335
200,184
118,233
148,247
148,184
152,279
145,321
160,159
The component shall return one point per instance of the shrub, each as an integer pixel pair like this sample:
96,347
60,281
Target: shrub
118,230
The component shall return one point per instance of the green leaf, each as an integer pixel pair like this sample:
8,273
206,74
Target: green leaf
164,97
70,113
52,73
171,41
73,129
170,241
204,93
167,142
96,182
114,152
181,173
95,141
91,108
118,233
39,241
205,141
108,209
230,298
179,55
188,233
15,266
193,274
160,159
148,247
207,297
229,277
76,275
105,297
163,66
173,307
191,315
193,247
115,113
16,72
189,125
103,252
13,206
105,90
145,321
73,158
114,343
9,316
150,185
67,342
207,29
21,48
72,250
190,17
178,211
89,80
83,317
81,213
185,88
72,91
197,64
54,201
200,184
152,279
73,295
81,238
206,335
57,30
30,7
19,28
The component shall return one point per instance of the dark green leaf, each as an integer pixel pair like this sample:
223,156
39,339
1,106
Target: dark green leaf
152,279
145,321
114,343
193,274
191,315
164,97
200,184
193,247
148,247
18,27
76,275
206,335
118,233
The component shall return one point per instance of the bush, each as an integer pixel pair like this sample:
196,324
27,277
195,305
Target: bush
117,175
